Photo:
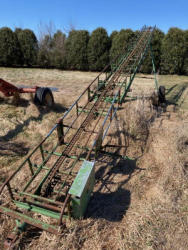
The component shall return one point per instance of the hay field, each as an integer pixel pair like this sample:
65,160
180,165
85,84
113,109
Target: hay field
137,204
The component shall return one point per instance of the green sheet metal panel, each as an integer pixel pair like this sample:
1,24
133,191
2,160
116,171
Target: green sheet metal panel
82,188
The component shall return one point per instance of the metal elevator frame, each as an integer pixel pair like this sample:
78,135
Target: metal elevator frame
54,167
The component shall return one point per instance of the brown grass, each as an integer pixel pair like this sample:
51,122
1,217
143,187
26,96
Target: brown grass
138,203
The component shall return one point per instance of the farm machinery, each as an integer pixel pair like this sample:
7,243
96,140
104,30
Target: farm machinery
58,176
43,96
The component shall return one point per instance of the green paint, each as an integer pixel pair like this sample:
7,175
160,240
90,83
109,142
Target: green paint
83,184
81,179
154,70
37,209
27,219
37,197
82,188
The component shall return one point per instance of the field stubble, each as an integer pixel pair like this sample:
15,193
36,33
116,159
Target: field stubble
138,203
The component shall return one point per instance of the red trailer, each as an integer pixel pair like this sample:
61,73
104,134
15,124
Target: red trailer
43,96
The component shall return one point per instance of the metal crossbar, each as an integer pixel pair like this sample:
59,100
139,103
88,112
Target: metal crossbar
51,168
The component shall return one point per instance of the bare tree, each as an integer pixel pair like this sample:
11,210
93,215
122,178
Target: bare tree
51,46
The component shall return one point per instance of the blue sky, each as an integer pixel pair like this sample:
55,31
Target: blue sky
90,14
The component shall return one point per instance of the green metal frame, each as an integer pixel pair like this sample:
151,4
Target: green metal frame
82,188
72,202
154,69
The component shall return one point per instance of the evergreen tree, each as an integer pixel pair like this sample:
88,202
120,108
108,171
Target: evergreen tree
112,35
137,34
185,64
44,53
17,30
121,43
10,53
98,49
58,50
156,44
29,46
76,50
173,52
52,51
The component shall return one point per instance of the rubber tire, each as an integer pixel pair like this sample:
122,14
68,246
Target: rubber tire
44,96
161,94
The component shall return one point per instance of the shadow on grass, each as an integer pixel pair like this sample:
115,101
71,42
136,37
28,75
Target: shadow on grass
29,235
110,206
21,103
13,148
170,89
110,201
174,94
58,108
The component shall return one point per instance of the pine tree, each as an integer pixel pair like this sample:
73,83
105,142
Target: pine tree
173,52
121,42
156,44
112,35
185,64
76,50
98,49
58,50
10,53
29,46
44,53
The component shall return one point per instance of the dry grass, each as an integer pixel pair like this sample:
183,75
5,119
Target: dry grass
139,203
158,218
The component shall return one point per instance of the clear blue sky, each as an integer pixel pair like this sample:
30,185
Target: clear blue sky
90,14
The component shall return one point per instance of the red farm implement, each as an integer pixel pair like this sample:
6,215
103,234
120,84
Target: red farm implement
43,96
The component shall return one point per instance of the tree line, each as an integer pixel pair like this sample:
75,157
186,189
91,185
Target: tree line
80,50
